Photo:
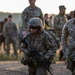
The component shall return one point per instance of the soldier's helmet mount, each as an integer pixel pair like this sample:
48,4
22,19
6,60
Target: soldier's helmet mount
35,22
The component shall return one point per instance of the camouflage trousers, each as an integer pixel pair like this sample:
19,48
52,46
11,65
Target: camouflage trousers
70,64
14,43
58,33
37,71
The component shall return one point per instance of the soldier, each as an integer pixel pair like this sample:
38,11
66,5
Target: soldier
29,12
2,39
70,15
46,22
10,34
41,41
68,42
59,22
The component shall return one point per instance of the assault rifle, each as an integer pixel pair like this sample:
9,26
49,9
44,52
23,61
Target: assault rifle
36,55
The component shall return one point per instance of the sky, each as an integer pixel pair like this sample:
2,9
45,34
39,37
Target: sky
47,6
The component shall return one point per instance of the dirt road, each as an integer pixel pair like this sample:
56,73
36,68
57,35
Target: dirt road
16,68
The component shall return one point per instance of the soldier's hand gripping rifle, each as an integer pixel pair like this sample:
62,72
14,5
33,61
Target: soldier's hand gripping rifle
36,55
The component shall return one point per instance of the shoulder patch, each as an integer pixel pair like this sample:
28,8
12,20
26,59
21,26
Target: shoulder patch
57,19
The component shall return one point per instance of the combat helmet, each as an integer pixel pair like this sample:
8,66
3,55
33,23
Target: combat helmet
35,22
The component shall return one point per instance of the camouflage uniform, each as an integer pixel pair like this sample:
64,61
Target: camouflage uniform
68,42
59,22
43,43
10,34
29,13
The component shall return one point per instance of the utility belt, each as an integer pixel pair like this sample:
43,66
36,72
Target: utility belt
31,61
28,62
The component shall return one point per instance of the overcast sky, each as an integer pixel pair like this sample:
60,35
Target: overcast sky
47,6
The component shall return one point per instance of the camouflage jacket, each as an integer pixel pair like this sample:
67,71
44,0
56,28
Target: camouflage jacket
59,22
43,43
29,13
68,34
9,29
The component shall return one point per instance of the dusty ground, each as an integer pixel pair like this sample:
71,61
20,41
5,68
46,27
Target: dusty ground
16,68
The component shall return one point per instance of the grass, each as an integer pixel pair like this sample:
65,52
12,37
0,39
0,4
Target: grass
4,57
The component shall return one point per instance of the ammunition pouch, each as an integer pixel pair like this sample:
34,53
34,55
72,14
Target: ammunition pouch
27,62
24,61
